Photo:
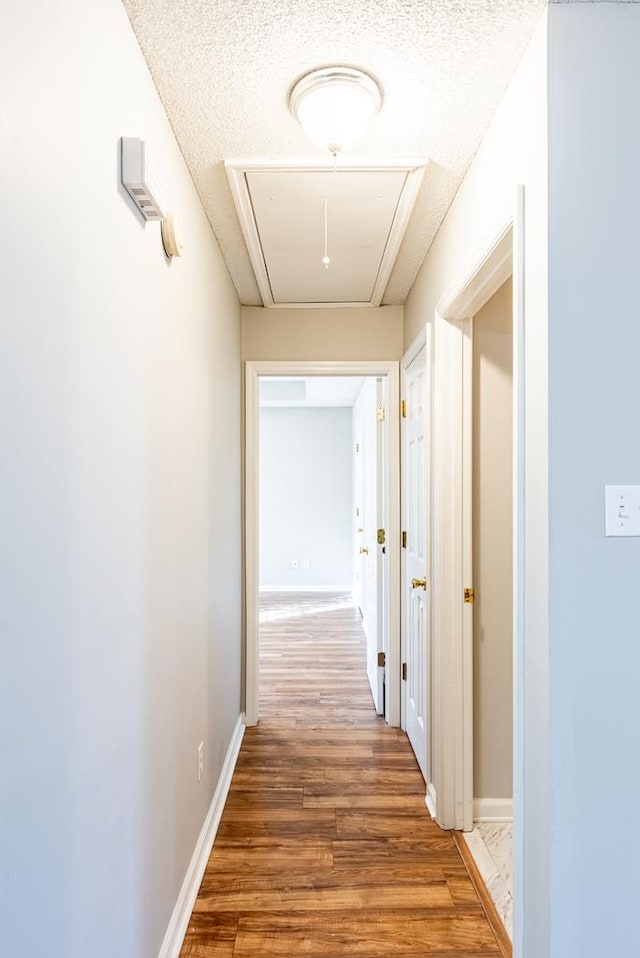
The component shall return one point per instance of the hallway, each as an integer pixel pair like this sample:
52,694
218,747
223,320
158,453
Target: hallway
325,847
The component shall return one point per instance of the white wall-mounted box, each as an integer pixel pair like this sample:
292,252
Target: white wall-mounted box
141,180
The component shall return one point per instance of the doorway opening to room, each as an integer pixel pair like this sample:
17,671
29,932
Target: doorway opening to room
479,538
322,532
491,422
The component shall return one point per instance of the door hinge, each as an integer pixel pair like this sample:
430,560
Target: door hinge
380,413
357,447
403,408
382,660
469,595
404,540
382,537
404,671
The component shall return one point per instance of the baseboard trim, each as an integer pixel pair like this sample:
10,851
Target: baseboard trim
493,809
306,588
179,922
430,800
488,905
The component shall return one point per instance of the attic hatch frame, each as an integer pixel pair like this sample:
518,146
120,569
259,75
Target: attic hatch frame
237,171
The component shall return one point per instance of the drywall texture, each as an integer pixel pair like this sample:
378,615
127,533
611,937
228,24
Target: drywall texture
306,497
493,547
514,151
594,392
224,70
121,584
322,334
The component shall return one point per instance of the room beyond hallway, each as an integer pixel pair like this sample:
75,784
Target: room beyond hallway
325,847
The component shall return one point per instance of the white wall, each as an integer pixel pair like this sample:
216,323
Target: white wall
121,586
306,497
514,151
594,395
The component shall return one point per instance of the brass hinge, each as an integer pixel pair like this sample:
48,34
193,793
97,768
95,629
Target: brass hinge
469,595
403,408
382,660
404,671
404,540
382,537
380,413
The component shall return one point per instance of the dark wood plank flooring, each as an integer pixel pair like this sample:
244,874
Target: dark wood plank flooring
325,847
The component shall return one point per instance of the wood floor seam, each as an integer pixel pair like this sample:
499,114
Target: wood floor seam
325,848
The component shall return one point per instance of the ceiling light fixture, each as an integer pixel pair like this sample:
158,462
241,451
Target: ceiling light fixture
335,105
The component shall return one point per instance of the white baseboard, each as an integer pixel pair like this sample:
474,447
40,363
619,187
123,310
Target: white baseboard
179,922
307,588
430,800
493,809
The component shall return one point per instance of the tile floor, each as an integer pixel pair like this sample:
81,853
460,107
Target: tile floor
491,844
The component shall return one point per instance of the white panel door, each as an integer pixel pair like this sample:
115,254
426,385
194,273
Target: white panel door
368,514
358,511
415,584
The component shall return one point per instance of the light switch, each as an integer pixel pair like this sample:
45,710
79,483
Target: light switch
622,510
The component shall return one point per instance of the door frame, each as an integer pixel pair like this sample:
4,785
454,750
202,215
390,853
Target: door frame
252,371
499,255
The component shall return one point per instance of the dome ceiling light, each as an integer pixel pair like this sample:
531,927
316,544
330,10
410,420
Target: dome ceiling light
335,105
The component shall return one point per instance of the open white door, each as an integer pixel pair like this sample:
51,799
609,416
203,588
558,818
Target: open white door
416,631
369,557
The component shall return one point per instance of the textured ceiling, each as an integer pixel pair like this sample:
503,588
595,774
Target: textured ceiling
224,68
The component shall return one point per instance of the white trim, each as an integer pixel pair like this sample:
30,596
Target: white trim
484,273
237,176
493,809
414,349
177,929
519,571
466,524
430,800
307,588
253,370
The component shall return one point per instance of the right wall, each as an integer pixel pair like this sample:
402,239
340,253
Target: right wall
568,131
514,152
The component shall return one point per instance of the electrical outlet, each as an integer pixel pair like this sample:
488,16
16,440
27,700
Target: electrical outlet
295,564
306,563
200,760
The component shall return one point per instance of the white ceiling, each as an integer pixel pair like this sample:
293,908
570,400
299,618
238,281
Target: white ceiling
309,391
224,69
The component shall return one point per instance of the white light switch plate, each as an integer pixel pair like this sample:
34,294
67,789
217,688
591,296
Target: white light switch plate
622,510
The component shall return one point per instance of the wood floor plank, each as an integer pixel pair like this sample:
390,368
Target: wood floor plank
325,848
381,935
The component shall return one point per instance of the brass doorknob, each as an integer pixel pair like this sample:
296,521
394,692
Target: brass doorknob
419,584
364,550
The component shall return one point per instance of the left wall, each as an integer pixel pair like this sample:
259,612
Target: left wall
120,629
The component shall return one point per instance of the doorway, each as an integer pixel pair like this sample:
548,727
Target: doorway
491,839
500,255
383,553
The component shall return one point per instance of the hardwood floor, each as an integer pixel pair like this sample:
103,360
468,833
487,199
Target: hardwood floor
325,847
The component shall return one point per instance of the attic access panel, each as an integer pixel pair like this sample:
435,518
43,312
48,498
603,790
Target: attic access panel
282,216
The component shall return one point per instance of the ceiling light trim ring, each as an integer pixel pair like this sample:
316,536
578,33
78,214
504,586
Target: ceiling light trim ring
326,129
325,76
